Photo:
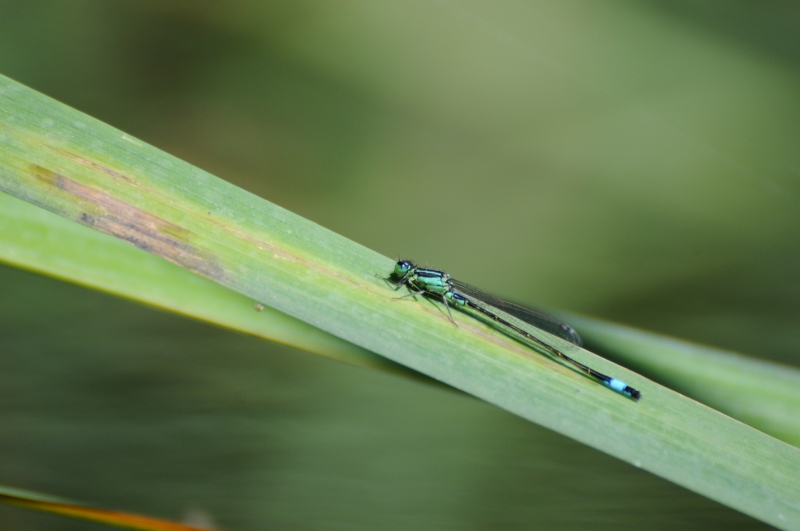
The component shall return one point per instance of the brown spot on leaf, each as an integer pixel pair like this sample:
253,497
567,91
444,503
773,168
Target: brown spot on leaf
113,216
44,175
95,165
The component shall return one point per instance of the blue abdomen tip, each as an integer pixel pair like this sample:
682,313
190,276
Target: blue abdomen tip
617,385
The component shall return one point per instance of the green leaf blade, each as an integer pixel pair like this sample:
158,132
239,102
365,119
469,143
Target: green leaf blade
90,173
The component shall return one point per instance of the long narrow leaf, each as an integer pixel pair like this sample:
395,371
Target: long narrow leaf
762,394
57,158
49,504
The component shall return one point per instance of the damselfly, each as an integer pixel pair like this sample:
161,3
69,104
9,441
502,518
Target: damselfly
441,286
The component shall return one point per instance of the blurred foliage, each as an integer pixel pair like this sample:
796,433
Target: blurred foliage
650,145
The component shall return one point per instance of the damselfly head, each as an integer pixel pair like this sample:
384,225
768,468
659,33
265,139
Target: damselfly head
402,267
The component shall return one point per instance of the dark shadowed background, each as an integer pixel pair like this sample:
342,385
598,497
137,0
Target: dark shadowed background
635,161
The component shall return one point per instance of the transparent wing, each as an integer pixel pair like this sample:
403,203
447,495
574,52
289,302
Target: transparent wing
539,320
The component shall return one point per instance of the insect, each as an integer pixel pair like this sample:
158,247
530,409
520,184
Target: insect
441,286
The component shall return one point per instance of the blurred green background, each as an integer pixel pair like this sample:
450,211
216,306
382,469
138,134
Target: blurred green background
635,161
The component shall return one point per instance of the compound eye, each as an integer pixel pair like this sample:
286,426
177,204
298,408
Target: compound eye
402,267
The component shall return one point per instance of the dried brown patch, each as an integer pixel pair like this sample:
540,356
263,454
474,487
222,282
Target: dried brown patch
108,214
